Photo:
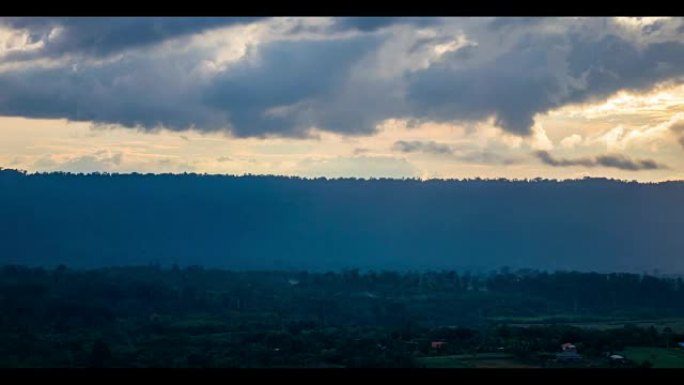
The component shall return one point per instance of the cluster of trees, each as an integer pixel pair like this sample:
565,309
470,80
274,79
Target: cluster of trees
199,317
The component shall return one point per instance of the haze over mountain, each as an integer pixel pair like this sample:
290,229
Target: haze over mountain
255,222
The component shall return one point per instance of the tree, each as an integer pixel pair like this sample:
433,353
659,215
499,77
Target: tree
100,354
59,272
668,334
646,364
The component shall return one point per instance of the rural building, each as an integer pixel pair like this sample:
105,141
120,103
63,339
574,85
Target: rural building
616,360
568,347
568,353
438,344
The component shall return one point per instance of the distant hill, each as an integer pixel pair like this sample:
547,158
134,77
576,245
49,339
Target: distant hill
255,222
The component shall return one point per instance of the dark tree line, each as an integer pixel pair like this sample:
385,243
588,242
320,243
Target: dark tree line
195,316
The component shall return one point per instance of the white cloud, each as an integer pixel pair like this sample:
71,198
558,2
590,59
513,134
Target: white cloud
621,138
571,141
16,40
540,141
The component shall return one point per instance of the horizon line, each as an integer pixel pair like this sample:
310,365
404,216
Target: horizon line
341,178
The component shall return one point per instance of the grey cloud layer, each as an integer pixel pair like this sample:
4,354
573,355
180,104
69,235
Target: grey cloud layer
540,73
429,147
464,154
511,70
93,36
613,161
371,24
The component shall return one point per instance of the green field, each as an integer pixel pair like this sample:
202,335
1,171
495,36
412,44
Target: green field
676,324
659,357
442,362
484,360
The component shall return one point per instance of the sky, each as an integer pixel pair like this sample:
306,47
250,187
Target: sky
345,97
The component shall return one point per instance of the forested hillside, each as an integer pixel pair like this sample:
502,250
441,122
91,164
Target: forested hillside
257,222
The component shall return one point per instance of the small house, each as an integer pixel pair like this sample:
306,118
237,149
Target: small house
568,353
438,344
567,347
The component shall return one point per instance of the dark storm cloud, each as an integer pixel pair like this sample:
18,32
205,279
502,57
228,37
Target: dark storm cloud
613,63
442,93
371,23
295,86
292,86
525,81
285,85
546,158
429,147
624,163
613,161
98,36
501,23
106,95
